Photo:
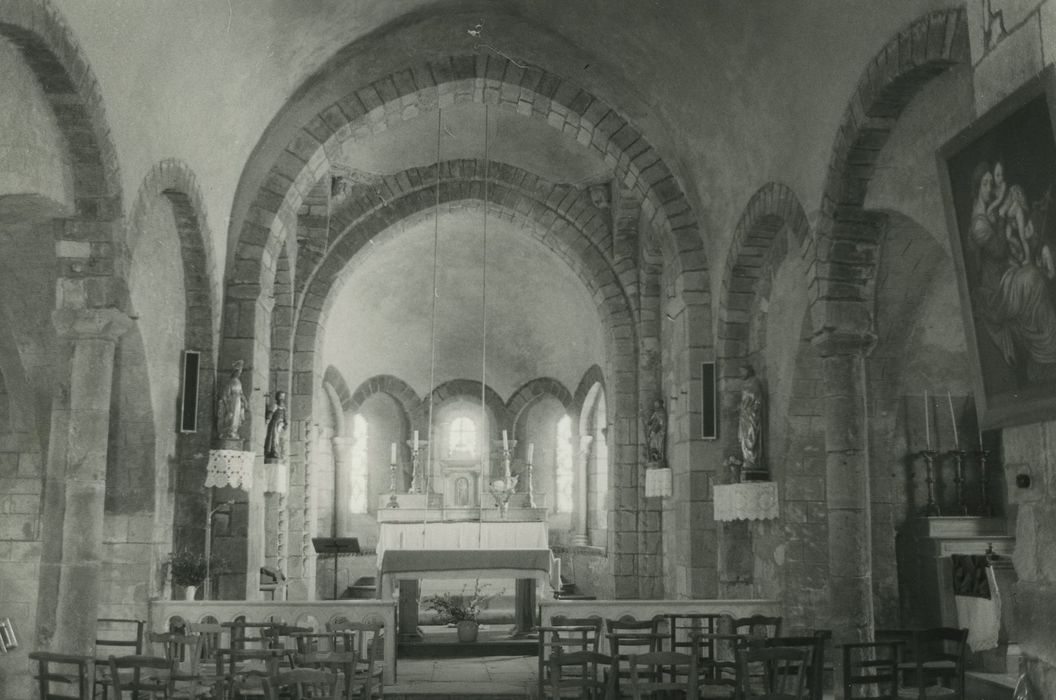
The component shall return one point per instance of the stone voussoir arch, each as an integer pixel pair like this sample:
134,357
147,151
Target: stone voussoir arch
402,95
754,247
399,390
847,237
468,389
534,390
92,256
594,375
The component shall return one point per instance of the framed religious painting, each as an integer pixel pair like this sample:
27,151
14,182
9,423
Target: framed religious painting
999,182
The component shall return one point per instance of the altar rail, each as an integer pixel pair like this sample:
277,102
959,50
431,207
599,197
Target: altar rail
313,614
647,609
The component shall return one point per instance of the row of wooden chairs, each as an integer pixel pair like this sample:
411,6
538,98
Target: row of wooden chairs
193,665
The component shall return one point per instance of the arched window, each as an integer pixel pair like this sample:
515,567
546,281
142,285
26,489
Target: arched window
564,467
463,435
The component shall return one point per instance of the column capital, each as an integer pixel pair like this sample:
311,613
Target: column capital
91,324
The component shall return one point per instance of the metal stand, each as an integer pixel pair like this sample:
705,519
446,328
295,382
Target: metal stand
932,508
984,478
335,546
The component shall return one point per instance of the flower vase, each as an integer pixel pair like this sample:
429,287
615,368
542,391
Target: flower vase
467,630
189,592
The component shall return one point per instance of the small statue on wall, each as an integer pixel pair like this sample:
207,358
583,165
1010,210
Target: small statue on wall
656,432
750,425
275,438
231,406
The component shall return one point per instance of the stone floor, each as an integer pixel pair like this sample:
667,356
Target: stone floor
483,677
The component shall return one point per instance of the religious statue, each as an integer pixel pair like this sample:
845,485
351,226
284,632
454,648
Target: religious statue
275,438
656,428
750,426
231,406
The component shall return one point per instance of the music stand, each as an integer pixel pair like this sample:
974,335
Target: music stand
335,546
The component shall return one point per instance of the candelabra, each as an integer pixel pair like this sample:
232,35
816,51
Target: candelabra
984,480
393,502
502,489
958,479
932,508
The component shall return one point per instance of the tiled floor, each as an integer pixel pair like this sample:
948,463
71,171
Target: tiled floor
490,676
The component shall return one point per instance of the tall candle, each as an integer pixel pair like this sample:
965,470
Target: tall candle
392,454
505,442
927,421
953,419
415,440
531,451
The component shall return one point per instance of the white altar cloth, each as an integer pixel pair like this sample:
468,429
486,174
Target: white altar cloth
461,535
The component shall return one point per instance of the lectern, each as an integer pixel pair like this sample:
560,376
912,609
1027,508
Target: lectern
335,546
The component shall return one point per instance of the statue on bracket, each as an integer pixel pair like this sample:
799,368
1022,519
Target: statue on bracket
656,431
231,406
750,426
275,438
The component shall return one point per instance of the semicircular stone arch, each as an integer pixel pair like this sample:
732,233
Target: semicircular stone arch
592,376
400,391
463,388
531,392
93,258
755,247
847,237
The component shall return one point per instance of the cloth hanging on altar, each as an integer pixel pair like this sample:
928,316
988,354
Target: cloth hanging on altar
978,600
461,536
465,563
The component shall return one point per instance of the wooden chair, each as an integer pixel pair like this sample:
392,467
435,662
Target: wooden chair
250,668
580,674
211,634
697,630
140,677
815,645
757,626
369,645
628,637
62,676
663,673
333,652
870,668
304,684
183,653
935,667
564,638
783,675
117,636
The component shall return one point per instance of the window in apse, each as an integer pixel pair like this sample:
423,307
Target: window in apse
358,498
563,468
463,435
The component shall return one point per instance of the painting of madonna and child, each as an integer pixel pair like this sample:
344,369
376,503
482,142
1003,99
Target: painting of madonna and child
1000,179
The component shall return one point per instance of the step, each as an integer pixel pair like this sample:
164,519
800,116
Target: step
988,686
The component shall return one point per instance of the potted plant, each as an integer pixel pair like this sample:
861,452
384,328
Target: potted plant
189,569
461,609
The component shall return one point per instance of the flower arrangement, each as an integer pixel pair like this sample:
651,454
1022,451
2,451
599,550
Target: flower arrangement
189,568
461,607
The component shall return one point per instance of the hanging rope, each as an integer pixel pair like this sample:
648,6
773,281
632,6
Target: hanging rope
484,309
432,325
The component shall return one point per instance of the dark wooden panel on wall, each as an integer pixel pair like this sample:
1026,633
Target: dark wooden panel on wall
189,393
709,411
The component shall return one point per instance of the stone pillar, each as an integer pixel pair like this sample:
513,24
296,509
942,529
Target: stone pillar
75,480
256,534
579,529
350,488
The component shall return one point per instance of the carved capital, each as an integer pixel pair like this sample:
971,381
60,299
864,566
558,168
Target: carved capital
91,324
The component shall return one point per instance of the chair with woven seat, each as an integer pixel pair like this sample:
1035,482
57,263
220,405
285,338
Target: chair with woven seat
696,630
183,653
757,626
934,667
564,636
869,670
62,676
815,645
782,673
663,674
626,637
368,640
139,677
115,636
579,674
304,683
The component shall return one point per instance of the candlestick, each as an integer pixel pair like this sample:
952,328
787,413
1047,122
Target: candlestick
931,508
927,421
984,482
958,480
531,451
415,439
505,442
392,454
953,419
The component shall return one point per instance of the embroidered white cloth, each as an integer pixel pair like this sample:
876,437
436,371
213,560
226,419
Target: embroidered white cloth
470,535
982,617
230,468
658,482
